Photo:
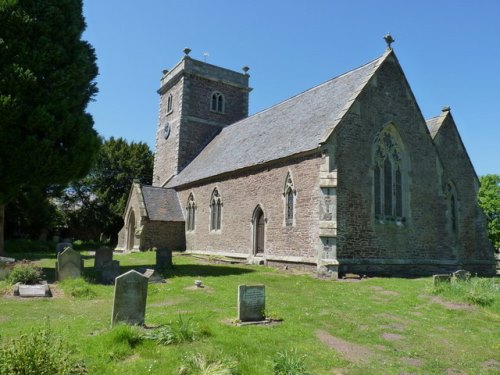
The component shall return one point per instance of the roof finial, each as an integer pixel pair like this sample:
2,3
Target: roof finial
186,51
245,70
389,40
446,109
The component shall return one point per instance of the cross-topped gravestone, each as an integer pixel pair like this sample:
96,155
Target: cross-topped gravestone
69,264
251,303
129,305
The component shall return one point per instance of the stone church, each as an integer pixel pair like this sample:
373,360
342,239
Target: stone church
345,177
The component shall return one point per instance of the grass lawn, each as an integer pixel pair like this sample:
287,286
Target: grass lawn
372,326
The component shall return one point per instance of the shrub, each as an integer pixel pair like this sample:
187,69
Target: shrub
28,246
201,364
39,352
289,362
25,273
78,288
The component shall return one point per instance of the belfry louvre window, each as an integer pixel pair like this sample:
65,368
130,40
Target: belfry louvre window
215,211
388,177
191,212
217,102
169,103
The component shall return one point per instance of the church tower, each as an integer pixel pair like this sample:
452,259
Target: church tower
196,101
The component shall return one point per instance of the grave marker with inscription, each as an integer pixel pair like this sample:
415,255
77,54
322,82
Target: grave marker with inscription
251,303
129,305
69,264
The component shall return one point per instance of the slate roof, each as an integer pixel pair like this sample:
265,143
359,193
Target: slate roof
162,204
297,125
434,124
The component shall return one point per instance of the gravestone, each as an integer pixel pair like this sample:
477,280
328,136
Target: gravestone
251,303
109,271
63,245
163,259
129,305
461,275
443,278
6,265
69,264
30,291
102,256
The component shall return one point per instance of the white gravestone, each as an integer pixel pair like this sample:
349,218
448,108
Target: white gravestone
69,264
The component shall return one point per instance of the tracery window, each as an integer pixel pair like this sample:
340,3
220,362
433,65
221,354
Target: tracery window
191,212
215,210
289,194
388,177
169,103
217,102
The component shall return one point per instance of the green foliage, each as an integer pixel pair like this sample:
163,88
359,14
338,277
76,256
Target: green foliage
78,288
125,334
201,364
289,362
28,246
97,201
25,273
46,81
489,201
38,353
477,290
179,331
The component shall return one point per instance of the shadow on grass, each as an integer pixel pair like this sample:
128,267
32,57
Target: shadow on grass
194,270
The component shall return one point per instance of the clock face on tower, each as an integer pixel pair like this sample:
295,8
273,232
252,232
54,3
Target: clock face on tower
166,130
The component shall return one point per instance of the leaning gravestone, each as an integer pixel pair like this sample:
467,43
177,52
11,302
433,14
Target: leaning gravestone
163,259
103,255
251,303
69,264
129,305
63,245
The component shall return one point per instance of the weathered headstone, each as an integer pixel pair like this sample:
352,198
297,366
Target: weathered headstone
69,264
6,265
103,255
30,291
129,305
109,271
163,259
461,275
63,245
442,278
251,303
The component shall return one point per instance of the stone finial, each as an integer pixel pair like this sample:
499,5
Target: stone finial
446,109
186,51
164,71
245,69
389,40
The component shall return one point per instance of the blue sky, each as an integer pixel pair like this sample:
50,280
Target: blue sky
449,50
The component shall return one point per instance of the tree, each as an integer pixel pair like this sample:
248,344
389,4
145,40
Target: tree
489,201
46,81
97,201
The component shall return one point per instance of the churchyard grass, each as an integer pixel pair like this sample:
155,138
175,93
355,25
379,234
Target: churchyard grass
375,326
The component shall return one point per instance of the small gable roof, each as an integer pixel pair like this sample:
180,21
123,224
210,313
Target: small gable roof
434,124
297,125
162,204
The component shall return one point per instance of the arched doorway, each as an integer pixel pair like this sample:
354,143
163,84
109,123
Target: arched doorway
258,230
131,231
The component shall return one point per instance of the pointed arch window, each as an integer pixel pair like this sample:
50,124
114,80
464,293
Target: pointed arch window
170,103
191,212
217,102
289,194
215,211
389,177
451,200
